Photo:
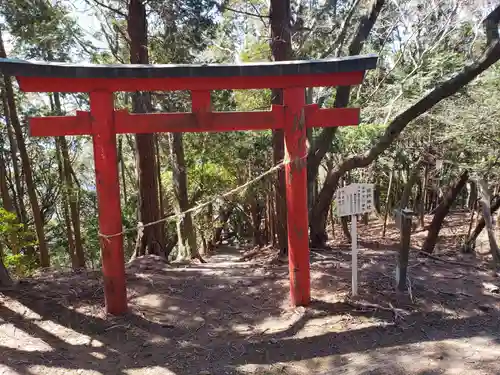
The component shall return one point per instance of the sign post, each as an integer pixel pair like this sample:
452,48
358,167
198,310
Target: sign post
353,200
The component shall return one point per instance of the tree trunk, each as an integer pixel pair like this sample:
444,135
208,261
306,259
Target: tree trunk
345,228
487,215
255,213
122,168
376,198
332,221
424,196
185,230
18,192
266,231
17,200
387,202
418,196
158,173
471,195
440,92
281,47
471,222
74,204
271,235
65,209
495,205
152,240
312,184
220,222
7,202
28,174
442,211
72,197
412,179
5,279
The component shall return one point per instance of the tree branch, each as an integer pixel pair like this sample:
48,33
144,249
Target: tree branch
108,7
440,92
225,7
339,41
324,140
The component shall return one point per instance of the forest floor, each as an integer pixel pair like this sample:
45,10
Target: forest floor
233,317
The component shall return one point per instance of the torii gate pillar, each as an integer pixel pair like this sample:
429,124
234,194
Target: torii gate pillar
296,196
108,197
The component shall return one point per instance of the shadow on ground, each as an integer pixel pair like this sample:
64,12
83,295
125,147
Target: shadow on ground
229,317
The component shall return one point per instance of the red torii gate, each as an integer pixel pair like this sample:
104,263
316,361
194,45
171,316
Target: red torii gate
103,123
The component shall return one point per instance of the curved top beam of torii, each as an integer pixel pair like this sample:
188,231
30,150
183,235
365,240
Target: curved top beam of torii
23,68
34,76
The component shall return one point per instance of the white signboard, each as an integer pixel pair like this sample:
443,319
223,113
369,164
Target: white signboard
353,200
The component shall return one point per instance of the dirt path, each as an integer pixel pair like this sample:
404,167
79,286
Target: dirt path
230,317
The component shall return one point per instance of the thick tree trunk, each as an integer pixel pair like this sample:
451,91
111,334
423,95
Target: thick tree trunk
187,247
152,240
28,174
281,47
440,92
442,211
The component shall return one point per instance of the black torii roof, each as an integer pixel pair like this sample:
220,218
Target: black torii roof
23,68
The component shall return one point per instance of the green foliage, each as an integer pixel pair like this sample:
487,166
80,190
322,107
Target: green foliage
12,233
16,239
43,30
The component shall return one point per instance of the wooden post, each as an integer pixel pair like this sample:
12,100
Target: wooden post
108,197
403,221
296,195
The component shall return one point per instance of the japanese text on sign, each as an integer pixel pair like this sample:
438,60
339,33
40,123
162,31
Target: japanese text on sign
354,199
